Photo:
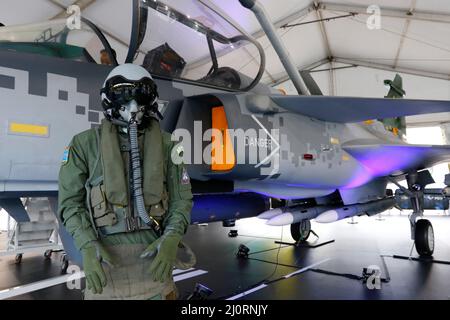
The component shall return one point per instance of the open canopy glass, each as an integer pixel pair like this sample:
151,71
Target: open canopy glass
184,40
187,39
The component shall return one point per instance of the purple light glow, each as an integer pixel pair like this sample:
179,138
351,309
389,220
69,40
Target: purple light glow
375,161
384,160
360,177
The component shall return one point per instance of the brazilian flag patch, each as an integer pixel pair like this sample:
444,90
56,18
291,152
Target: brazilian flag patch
65,157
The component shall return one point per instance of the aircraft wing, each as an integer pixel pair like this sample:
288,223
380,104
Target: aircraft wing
387,159
352,109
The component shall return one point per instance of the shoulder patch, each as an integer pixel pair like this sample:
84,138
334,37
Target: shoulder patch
185,177
65,157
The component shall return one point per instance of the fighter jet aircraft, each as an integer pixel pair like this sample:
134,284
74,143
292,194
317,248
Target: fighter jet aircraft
249,150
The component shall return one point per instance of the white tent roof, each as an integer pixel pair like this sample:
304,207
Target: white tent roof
413,40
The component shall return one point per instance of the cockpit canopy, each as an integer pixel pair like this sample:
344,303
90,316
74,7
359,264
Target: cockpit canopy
186,40
197,43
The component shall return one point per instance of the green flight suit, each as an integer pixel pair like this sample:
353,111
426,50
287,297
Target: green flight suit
96,166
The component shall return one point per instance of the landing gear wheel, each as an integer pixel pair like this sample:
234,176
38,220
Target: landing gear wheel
18,258
64,264
424,238
48,254
300,231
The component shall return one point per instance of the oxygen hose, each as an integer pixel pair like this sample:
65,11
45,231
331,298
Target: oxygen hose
138,193
186,259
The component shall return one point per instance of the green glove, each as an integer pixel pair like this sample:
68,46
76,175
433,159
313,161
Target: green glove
93,255
165,249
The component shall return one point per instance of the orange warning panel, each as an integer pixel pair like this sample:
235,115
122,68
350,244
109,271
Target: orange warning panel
222,153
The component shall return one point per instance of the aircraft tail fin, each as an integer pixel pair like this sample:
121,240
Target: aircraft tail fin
396,87
398,124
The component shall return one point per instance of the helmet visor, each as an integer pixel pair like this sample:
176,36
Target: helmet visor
122,91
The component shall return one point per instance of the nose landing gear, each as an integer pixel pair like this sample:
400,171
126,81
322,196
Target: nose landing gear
421,229
424,238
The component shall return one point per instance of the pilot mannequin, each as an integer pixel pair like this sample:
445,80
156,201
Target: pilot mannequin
122,198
